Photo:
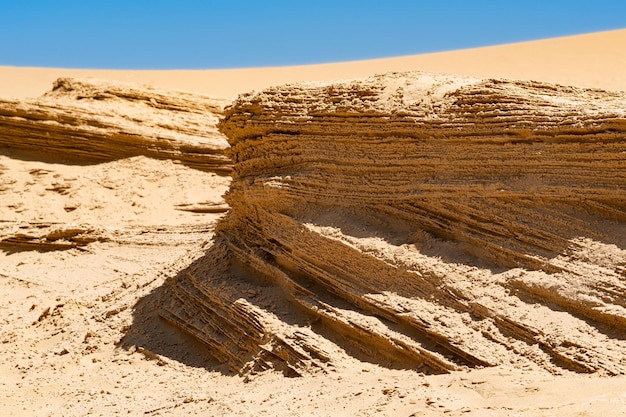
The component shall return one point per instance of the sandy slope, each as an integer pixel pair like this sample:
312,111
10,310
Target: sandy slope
591,60
74,341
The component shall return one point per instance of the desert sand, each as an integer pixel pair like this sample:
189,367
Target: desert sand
591,60
481,273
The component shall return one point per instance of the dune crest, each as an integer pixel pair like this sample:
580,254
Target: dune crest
593,60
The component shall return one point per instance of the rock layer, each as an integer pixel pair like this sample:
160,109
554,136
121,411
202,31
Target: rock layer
425,221
92,120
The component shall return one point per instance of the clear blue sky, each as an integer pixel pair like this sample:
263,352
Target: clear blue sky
228,33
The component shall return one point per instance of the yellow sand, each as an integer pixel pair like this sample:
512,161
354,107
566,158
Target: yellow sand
592,60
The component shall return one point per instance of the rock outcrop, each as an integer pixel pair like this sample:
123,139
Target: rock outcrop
422,221
91,120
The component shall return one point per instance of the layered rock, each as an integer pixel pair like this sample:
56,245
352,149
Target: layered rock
90,120
419,220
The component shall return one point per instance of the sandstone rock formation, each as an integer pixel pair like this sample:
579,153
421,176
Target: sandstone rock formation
91,120
422,221
93,156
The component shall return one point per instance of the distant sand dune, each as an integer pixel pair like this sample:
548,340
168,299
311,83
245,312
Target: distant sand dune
591,60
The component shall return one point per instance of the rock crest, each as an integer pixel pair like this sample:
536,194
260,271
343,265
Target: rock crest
418,220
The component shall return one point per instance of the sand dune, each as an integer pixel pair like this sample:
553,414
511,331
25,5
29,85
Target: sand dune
591,60
404,244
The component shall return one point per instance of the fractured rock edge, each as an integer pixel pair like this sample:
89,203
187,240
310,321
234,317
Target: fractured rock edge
416,220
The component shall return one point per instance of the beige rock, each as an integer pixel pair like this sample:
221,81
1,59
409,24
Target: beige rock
93,120
431,221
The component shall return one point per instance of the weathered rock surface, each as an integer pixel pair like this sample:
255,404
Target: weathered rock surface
92,120
422,221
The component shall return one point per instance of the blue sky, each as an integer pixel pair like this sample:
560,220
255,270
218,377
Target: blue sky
228,33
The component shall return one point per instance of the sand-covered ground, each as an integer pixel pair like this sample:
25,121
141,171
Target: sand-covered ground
91,242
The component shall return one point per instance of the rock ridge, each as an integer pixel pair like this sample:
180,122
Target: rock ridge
417,220
89,120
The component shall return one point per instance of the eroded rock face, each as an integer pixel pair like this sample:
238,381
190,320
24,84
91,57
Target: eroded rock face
92,120
416,220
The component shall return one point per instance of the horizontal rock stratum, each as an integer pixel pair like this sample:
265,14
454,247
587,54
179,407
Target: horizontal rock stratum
90,120
417,220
